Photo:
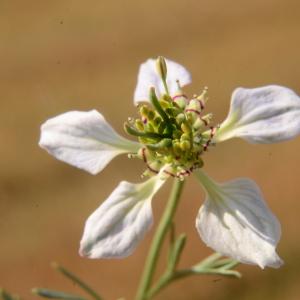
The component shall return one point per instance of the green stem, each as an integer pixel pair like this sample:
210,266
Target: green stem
205,267
166,86
163,282
167,278
160,234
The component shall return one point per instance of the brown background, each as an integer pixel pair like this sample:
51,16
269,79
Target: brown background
64,55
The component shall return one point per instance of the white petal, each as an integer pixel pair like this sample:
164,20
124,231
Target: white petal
149,77
84,140
262,115
121,221
235,221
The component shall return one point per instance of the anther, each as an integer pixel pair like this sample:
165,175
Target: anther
180,118
176,148
144,111
151,114
185,127
164,104
202,122
139,124
180,100
150,128
185,145
208,143
203,98
185,137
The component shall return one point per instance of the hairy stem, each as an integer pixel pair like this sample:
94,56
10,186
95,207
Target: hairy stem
157,242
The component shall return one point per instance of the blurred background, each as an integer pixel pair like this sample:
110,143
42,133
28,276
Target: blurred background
62,55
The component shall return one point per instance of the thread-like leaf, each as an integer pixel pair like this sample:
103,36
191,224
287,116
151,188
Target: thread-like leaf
77,280
46,293
176,252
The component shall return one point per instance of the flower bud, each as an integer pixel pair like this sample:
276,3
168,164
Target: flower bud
139,125
149,127
194,105
151,114
156,121
185,145
185,127
164,104
185,137
181,100
144,111
180,118
176,147
202,122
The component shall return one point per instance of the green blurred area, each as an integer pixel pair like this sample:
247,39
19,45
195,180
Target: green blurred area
62,55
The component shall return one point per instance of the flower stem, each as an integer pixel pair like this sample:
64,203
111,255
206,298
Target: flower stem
209,266
157,242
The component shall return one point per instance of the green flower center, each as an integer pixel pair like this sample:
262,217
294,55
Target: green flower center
174,133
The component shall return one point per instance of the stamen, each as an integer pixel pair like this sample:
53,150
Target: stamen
174,133
201,104
202,98
152,170
132,155
169,173
144,155
130,120
212,133
184,173
204,121
193,110
179,96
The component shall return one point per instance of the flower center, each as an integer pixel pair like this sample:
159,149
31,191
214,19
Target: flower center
174,133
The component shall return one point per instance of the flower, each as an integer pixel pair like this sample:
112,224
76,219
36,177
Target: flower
173,134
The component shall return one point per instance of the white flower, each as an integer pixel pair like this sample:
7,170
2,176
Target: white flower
173,135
